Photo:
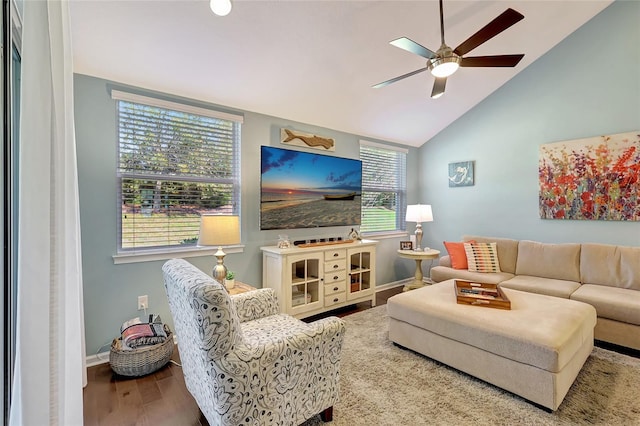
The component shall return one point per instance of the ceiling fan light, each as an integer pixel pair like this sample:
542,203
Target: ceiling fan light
444,67
220,7
437,95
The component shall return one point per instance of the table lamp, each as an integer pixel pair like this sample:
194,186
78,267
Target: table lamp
419,213
219,230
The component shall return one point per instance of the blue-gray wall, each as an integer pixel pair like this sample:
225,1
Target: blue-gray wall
111,291
588,85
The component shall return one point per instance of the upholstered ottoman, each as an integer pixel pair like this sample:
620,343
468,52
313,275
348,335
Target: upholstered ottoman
534,350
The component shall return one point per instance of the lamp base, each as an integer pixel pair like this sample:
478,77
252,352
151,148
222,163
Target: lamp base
219,273
418,237
219,270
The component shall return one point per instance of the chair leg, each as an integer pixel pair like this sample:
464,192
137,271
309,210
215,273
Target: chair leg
327,415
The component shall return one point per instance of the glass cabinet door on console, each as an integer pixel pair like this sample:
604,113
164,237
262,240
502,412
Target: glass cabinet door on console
361,276
304,292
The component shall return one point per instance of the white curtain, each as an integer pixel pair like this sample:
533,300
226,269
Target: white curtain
50,369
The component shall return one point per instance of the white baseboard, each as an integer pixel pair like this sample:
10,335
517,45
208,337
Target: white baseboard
97,359
393,284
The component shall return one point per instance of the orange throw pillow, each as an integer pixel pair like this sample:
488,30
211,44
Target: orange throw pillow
457,254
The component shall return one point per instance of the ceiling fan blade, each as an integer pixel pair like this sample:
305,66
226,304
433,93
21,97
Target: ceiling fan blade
492,29
438,87
491,61
393,80
413,47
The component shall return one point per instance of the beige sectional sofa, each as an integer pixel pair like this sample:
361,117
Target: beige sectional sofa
604,276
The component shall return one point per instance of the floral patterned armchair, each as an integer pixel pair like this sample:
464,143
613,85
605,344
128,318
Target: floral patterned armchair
243,361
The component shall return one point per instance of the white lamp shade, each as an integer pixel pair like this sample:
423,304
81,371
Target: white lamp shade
219,230
419,213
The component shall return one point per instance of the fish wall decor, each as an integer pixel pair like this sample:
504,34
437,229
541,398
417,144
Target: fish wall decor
290,137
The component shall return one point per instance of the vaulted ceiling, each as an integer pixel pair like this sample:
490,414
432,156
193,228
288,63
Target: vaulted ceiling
314,61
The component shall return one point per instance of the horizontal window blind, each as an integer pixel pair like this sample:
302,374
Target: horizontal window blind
173,166
383,188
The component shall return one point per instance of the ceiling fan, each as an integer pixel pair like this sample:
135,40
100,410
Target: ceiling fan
445,61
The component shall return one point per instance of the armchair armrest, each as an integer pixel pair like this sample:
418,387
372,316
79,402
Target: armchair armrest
256,304
323,338
332,331
330,327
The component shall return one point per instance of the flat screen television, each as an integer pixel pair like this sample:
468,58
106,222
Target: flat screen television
306,190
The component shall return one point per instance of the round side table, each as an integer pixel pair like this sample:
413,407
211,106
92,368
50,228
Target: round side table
239,288
418,256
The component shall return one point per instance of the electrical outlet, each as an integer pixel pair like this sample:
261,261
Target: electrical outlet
143,302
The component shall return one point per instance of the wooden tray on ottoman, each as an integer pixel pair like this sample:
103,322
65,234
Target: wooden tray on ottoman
481,294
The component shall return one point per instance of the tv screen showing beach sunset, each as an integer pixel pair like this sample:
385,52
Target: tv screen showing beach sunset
305,190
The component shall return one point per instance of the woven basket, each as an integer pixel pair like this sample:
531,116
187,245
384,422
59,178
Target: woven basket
141,361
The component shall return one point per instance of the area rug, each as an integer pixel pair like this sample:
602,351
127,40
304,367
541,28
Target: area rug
383,384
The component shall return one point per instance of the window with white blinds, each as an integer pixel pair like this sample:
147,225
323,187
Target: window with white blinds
175,162
384,187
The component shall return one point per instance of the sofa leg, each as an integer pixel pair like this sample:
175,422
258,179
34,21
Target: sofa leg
327,414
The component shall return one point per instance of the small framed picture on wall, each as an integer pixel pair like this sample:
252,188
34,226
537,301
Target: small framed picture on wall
461,173
406,245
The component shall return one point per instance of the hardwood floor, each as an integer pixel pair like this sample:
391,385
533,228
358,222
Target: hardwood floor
160,398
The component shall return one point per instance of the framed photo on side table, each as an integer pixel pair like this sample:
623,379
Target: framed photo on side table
406,245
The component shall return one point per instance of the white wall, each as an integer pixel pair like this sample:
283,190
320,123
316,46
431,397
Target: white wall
588,85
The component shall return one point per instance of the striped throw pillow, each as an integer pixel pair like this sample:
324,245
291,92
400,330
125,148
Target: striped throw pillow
482,257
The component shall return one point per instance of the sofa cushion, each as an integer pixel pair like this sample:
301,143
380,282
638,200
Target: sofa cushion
614,266
457,254
507,250
557,261
446,260
443,273
482,257
548,286
618,304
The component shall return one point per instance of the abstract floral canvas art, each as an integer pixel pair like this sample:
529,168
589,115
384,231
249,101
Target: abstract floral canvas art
591,179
